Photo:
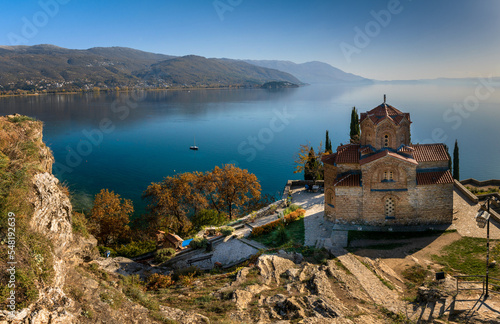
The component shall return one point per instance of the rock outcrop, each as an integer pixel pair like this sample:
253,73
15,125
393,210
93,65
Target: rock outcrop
285,291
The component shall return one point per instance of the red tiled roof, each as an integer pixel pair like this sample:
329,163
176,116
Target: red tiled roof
438,177
406,149
385,153
350,180
329,159
383,111
348,153
366,150
430,152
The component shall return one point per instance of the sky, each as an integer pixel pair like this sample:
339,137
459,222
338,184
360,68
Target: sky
383,40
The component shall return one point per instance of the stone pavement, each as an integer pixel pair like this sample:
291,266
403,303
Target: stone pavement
316,227
464,213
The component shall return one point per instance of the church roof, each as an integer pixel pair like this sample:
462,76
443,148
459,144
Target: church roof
383,111
349,180
385,153
438,177
348,153
430,152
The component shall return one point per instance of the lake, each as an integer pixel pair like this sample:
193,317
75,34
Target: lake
125,141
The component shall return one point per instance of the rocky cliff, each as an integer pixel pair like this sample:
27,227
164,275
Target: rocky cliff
43,217
55,279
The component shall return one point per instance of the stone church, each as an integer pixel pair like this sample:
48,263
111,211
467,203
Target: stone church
386,180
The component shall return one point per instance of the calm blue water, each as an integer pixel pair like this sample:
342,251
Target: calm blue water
133,140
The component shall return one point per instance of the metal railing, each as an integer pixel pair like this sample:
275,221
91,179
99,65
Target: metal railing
495,288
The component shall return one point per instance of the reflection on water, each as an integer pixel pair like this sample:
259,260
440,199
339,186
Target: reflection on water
147,135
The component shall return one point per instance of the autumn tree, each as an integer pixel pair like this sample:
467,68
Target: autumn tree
229,188
171,201
177,201
109,217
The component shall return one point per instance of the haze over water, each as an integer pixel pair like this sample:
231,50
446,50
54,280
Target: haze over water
259,130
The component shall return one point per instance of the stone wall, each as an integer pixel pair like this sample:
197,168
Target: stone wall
435,203
413,205
348,204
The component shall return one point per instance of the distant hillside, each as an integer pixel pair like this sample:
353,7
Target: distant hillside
311,72
200,71
48,68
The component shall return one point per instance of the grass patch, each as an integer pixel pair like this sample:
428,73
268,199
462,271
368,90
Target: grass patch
294,231
415,276
466,256
19,119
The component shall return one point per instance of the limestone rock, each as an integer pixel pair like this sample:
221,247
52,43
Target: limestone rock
121,265
52,211
242,298
183,317
272,266
297,258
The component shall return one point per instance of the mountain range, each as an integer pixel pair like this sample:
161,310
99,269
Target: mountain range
48,68
311,72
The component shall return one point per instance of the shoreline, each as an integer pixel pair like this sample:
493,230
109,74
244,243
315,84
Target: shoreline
75,92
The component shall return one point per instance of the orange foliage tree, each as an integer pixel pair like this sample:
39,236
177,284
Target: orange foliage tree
229,188
173,200
176,199
109,217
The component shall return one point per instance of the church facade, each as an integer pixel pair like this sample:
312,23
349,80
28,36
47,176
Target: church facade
386,180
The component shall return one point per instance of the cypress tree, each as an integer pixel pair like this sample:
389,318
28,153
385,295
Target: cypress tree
355,132
449,157
456,162
328,144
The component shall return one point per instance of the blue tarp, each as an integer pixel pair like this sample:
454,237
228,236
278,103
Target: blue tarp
186,242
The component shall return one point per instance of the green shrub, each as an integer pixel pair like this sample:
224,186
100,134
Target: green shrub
163,255
227,230
291,209
134,249
208,217
198,243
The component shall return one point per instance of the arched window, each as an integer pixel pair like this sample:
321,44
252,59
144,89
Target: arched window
389,207
388,176
386,140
